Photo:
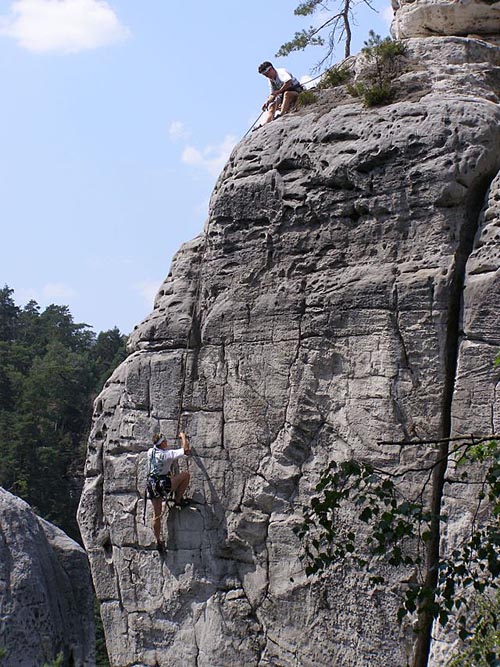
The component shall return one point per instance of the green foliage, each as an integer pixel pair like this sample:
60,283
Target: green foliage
307,8
336,27
333,77
374,94
378,94
382,55
356,89
305,98
8,314
55,663
376,503
397,530
482,649
300,41
385,49
102,659
50,371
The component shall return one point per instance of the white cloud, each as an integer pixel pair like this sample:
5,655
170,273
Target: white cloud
320,17
388,14
57,291
49,293
307,81
99,262
68,26
202,207
25,294
210,158
178,131
148,290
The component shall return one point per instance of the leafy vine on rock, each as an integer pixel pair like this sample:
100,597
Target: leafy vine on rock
398,529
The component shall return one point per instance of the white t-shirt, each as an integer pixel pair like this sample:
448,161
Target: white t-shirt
160,460
283,76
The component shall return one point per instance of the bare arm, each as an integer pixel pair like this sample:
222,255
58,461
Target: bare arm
185,443
286,86
273,95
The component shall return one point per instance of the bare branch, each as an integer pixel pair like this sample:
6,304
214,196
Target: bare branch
476,438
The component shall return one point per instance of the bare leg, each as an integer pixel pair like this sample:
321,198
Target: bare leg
289,99
180,483
157,507
271,110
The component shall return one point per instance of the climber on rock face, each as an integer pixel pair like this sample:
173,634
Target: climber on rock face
160,482
285,89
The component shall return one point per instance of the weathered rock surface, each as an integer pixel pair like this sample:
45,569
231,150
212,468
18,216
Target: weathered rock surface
46,597
476,405
327,296
423,18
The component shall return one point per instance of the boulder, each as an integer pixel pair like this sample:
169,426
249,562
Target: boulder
46,595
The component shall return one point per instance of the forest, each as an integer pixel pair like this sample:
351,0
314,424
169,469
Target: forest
51,369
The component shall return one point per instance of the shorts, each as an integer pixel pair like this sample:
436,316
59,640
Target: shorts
159,487
278,101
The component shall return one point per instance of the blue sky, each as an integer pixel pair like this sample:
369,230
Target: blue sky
116,119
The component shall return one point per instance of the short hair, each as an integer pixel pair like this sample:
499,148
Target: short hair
263,66
158,437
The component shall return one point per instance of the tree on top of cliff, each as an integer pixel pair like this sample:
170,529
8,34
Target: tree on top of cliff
336,27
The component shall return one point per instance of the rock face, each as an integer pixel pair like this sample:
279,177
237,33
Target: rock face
422,18
46,598
328,315
476,399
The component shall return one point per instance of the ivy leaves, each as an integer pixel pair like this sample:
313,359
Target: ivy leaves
376,502
361,518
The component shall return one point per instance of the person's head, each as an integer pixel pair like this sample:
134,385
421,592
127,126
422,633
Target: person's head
159,440
267,69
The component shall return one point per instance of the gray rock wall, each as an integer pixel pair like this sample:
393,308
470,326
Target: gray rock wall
46,597
327,293
475,406
466,18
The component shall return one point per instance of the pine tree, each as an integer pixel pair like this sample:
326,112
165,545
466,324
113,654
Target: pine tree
51,369
336,27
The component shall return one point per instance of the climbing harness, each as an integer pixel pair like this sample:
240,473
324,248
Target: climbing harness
157,486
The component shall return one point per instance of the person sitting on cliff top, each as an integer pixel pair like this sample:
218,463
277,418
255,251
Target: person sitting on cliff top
160,482
285,89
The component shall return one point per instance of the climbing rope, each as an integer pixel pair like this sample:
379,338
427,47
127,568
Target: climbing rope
194,313
196,300
195,309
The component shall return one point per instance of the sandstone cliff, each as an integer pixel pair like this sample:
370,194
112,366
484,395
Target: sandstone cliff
466,18
329,313
46,597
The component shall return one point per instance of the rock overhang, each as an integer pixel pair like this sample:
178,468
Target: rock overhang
428,18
